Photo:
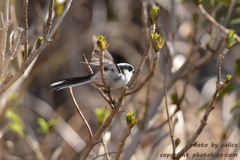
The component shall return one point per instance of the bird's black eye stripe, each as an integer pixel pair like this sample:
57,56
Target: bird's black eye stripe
130,68
127,67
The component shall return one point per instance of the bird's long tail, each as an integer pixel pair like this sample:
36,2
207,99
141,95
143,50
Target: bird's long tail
70,82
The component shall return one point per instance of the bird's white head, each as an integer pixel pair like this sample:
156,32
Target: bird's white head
127,70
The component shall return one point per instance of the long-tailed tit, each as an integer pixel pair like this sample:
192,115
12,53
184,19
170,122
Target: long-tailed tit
116,75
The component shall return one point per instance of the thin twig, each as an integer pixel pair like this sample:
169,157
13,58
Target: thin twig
25,24
220,58
35,53
104,154
92,142
103,77
86,64
161,125
166,104
183,94
198,64
102,71
154,66
135,76
98,89
212,20
49,20
10,40
212,14
176,110
34,146
144,19
209,108
106,123
103,142
12,52
3,43
80,113
174,17
2,20
123,141
229,13
146,105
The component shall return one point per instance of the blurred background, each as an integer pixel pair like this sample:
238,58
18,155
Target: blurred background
36,124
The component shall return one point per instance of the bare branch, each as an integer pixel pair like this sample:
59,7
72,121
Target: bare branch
144,18
166,104
86,64
99,133
103,78
35,53
154,66
3,43
198,64
12,52
135,76
229,13
33,144
99,90
10,40
104,154
80,113
212,14
212,20
174,17
2,19
209,108
25,23
103,142
123,141
49,20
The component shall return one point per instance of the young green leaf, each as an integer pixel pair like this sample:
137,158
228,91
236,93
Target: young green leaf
130,119
154,15
230,38
58,8
45,125
228,78
177,142
17,128
102,43
157,41
99,112
16,124
44,128
39,42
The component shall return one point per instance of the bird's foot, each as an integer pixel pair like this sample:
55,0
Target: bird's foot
108,91
113,102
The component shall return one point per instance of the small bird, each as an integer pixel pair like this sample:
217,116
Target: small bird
116,75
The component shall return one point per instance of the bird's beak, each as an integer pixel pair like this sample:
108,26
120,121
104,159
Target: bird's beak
133,71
